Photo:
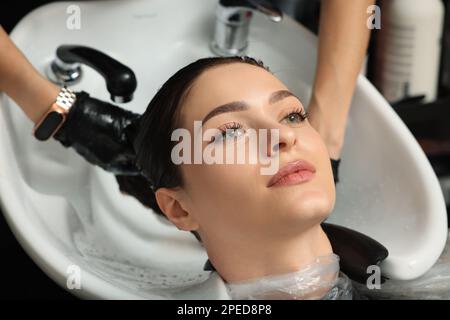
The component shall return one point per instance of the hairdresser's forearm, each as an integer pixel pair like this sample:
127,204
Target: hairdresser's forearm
21,81
343,39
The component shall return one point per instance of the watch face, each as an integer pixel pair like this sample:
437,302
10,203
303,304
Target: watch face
48,125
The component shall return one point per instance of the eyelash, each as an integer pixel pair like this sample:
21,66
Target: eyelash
298,111
236,126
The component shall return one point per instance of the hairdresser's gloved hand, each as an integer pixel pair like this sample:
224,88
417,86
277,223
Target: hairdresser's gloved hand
335,167
101,132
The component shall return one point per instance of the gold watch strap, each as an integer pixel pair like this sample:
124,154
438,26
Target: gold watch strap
66,98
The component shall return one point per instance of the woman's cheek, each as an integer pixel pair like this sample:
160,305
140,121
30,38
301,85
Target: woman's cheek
228,178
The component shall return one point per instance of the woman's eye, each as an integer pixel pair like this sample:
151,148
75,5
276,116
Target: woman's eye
230,132
295,117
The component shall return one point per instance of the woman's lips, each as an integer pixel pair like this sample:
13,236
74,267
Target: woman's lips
294,172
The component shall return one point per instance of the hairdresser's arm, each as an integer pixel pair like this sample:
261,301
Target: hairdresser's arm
111,126
20,81
343,39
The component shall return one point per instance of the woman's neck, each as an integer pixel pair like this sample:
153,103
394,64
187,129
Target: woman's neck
243,261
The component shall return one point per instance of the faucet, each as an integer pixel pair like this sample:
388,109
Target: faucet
233,21
65,69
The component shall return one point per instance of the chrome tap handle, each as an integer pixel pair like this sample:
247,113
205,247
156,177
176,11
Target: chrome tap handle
233,23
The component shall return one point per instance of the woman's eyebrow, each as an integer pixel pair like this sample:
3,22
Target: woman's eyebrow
280,95
228,107
242,105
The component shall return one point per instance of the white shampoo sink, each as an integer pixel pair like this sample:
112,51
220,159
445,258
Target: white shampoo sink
71,218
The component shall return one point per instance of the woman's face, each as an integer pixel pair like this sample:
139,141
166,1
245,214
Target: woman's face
234,201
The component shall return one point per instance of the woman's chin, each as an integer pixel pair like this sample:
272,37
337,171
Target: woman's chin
311,204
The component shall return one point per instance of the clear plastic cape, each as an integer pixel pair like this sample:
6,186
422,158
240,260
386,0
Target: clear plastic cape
320,279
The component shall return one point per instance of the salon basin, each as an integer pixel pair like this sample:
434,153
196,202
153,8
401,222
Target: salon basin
72,220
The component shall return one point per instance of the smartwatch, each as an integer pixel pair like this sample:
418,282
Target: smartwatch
56,115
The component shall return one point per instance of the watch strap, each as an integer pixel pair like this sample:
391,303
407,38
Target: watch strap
55,116
66,98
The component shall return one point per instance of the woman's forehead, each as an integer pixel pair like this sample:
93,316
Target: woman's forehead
227,83
234,75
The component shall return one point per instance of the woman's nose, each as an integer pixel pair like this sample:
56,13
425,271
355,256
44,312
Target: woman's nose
284,140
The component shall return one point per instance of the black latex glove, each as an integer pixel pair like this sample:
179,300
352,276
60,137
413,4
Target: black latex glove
335,167
101,132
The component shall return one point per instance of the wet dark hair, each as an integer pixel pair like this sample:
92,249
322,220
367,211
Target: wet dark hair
152,135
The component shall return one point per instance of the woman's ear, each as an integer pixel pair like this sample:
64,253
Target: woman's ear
171,203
